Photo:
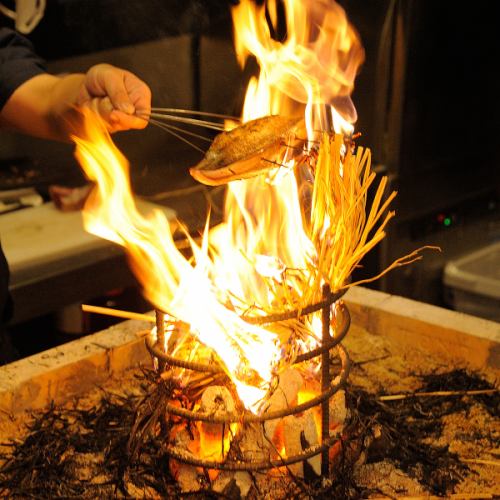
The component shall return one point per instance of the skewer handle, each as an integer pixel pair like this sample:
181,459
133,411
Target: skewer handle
117,313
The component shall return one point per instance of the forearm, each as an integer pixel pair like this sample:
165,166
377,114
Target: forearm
39,106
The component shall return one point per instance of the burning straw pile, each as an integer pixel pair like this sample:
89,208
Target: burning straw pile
251,370
253,318
217,405
82,452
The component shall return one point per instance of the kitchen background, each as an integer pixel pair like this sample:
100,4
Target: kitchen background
427,101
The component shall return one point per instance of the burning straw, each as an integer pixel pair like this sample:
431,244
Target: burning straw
259,293
342,227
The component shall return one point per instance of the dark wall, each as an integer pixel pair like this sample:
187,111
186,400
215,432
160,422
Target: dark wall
439,143
75,27
159,40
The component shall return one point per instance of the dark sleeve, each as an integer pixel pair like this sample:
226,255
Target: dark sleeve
18,63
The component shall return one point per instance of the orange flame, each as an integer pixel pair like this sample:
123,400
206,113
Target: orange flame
262,257
169,280
316,63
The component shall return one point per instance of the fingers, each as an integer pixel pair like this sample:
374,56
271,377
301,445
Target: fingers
116,120
103,107
114,85
122,121
139,94
118,96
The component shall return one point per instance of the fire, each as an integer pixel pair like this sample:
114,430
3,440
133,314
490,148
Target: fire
248,352
285,233
264,221
316,63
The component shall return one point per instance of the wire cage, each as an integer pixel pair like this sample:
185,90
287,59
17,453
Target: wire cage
330,345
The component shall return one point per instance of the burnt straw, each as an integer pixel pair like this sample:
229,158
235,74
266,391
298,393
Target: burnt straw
86,453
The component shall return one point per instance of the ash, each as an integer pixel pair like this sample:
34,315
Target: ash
405,446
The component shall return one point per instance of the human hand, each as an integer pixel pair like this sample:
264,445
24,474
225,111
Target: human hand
120,97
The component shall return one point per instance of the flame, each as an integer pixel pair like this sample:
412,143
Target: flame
304,396
264,255
316,63
248,352
215,446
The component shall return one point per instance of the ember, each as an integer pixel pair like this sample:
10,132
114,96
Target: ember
283,403
251,321
82,452
248,396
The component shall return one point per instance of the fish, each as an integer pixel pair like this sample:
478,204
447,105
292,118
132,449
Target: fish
249,149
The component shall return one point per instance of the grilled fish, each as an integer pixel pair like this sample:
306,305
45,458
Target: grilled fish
248,150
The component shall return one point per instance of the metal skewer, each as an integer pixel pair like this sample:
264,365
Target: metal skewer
163,118
170,129
191,112
188,121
